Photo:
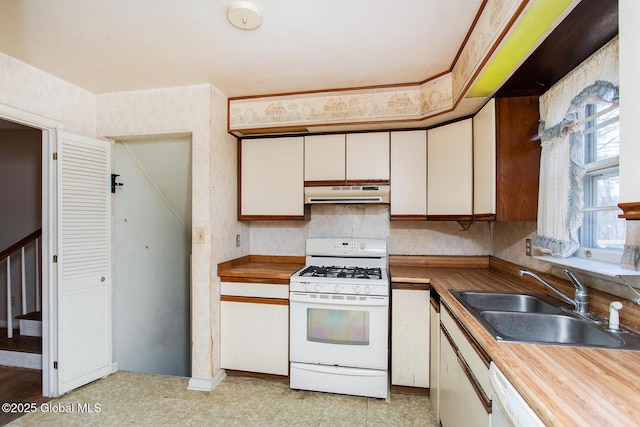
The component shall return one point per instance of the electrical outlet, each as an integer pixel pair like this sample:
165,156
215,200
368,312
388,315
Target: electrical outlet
198,235
237,240
528,247
13,301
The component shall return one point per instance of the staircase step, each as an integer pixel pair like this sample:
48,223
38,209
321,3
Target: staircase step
34,315
31,324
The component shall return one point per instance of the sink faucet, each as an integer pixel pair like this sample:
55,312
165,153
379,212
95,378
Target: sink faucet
580,301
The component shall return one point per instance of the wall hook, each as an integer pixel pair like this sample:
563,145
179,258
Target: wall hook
115,184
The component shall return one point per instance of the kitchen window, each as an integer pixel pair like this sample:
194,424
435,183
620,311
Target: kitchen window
602,234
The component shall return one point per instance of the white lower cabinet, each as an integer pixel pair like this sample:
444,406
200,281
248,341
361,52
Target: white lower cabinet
410,337
254,330
464,387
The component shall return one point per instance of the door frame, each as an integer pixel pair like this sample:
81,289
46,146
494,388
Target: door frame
49,128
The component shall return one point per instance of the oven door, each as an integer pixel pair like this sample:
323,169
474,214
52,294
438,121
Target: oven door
339,330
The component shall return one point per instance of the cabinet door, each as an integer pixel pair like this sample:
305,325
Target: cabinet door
254,337
518,154
410,338
450,169
324,157
484,161
272,182
409,175
368,156
459,404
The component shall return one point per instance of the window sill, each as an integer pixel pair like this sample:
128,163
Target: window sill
604,270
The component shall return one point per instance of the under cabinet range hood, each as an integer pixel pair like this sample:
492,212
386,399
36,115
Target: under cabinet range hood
347,194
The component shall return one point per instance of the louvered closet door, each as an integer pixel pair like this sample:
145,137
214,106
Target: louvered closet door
84,260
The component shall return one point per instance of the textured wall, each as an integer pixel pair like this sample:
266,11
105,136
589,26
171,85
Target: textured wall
370,221
30,89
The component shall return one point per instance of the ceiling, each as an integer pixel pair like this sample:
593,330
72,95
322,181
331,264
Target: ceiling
302,45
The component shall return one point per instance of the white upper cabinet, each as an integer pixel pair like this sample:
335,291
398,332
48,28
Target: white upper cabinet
324,157
272,178
368,156
484,160
450,169
409,175
351,157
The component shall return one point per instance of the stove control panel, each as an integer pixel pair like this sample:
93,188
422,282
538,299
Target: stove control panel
340,288
350,246
346,247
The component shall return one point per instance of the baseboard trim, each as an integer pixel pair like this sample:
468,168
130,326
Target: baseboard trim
207,384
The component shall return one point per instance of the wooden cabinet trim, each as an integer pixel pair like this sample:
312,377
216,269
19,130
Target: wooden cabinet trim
478,349
630,210
254,300
484,217
255,280
396,217
449,217
434,304
346,182
305,217
404,286
484,399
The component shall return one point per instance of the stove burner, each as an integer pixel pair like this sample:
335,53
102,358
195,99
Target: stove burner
342,272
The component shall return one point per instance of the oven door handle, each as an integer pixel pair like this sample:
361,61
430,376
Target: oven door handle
369,301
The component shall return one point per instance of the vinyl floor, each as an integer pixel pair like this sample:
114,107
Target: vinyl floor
129,399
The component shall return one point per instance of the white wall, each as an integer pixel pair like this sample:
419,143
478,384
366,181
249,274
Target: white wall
30,89
151,273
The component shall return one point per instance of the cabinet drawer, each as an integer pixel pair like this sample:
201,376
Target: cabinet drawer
256,290
477,362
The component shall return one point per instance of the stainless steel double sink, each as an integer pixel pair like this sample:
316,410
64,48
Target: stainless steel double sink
541,319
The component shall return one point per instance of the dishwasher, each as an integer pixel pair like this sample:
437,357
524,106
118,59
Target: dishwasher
509,409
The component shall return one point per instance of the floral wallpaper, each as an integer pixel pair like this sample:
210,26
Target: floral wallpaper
404,102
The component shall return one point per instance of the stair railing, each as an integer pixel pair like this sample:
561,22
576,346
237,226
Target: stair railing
6,254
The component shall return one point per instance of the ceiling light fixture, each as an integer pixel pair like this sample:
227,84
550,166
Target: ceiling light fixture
244,15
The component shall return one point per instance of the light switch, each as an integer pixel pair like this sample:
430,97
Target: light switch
198,235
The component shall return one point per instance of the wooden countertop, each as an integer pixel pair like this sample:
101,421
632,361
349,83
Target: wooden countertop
261,267
565,386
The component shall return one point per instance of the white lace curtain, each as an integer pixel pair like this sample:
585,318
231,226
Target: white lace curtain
560,199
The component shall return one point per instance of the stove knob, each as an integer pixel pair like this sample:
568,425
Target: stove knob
307,287
362,246
357,289
337,288
318,288
367,290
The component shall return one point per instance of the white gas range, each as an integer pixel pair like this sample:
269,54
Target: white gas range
339,317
